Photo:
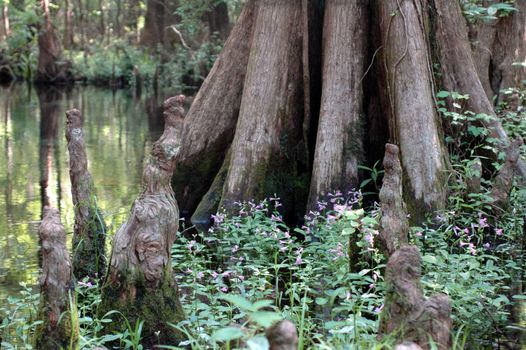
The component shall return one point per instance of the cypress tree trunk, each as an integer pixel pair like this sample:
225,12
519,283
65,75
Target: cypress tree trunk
211,121
510,49
339,139
140,282
268,139
51,66
413,122
90,230
458,68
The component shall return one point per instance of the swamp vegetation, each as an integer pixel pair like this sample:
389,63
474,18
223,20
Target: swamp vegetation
262,174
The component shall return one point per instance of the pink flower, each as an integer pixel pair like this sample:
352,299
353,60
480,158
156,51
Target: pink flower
298,260
241,277
224,289
379,309
235,248
418,234
214,274
483,222
218,218
499,231
275,218
200,274
340,209
85,284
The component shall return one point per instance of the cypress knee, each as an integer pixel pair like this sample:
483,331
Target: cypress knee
393,224
58,330
140,282
89,232
408,315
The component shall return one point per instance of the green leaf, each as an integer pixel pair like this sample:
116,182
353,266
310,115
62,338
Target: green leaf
227,333
265,318
430,259
238,301
442,94
261,304
492,10
321,301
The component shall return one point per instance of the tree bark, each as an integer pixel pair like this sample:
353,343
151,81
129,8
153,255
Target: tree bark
408,315
211,121
504,179
498,49
89,234
339,139
482,37
140,282
58,330
510,48
458,68
413,123
265,149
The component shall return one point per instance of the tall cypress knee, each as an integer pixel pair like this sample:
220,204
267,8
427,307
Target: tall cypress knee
89,234
140,282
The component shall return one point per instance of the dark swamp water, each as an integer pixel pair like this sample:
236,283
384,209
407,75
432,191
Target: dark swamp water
34,171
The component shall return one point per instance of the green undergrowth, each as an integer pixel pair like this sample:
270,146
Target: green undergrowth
250,269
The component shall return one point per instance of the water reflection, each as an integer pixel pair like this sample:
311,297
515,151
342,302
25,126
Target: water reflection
34,164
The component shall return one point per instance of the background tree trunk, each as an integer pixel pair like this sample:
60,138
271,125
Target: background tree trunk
51,67
339,138
268,139
154,23
68,30
89,235
413,123
497,47
458,68
5,20
218,20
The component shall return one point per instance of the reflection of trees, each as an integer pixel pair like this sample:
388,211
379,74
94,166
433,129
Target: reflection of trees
8,188
49,98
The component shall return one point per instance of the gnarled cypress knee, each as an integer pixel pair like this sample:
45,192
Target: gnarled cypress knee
140,282
58,329
90,230
407,314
